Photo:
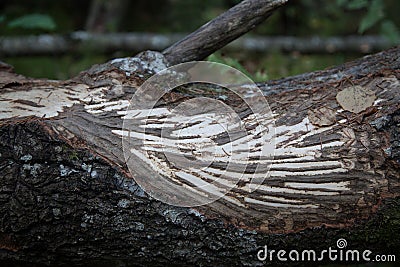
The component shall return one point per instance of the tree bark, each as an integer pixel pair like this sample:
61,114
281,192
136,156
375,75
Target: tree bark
67,196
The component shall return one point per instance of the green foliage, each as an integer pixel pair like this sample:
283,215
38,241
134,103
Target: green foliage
375,15
389,29
33,21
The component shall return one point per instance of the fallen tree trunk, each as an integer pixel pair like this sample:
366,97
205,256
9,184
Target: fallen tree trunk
68,195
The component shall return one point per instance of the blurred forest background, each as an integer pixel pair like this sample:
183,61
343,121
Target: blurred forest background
300,18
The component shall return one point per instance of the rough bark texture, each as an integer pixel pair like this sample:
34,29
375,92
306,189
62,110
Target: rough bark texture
66,194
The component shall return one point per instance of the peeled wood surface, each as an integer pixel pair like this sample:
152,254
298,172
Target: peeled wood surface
66,188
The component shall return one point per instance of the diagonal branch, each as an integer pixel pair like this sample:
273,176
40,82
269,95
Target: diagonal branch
222,30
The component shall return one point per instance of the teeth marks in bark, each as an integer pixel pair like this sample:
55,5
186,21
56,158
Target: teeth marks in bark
42,102
49,102
182,145
330,159
47,99
293,158
107,106
319,165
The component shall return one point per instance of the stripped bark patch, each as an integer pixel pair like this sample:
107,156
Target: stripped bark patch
303,174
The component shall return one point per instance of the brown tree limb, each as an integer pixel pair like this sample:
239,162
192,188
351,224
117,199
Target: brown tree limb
222,30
